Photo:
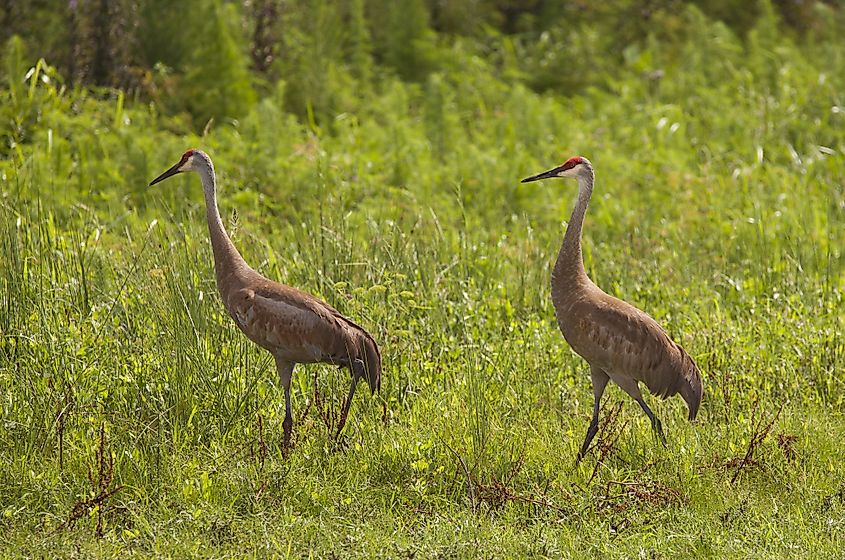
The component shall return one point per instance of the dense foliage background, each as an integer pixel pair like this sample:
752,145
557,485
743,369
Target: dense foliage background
217,59
370,152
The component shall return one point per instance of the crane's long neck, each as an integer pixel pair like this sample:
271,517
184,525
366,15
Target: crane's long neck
569,270
227,259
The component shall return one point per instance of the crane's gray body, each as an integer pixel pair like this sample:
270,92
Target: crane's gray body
619,341
295,327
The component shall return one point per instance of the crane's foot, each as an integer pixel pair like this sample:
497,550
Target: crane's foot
591,433
341,443
341,423
581,453
340,440
658,427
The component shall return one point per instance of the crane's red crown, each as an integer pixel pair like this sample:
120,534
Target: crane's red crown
572,162
186,155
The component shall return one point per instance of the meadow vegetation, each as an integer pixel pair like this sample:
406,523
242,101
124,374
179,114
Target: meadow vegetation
375,161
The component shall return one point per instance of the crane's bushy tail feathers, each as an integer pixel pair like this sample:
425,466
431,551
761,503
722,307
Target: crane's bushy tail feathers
677,375
695,392
690,388
367,353
372,362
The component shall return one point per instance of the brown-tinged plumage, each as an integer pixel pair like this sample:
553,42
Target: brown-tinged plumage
619,341
293,326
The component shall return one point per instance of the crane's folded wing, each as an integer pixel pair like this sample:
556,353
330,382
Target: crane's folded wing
622,339
290,323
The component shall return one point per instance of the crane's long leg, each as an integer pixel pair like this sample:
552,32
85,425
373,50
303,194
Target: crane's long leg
600,379
630,386
655,421
285,374
345,411
357,368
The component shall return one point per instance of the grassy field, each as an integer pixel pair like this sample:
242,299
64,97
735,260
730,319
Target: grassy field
137,421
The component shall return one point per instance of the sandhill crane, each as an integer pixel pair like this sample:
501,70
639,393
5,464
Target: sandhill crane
293,326
619,341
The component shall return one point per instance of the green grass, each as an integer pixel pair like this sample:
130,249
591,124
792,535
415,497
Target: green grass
719,209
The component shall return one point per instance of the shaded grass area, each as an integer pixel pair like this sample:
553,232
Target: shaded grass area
136,420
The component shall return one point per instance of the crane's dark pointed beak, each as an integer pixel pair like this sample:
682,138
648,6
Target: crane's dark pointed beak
169,173
544,175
